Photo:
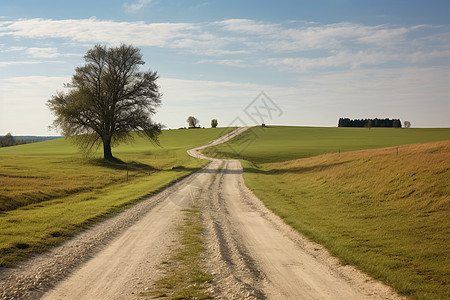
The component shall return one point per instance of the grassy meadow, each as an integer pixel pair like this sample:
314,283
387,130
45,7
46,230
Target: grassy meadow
49,191
384,213
276,144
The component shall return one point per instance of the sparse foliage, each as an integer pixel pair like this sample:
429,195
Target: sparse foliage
109,98
214,123
407,124
192,121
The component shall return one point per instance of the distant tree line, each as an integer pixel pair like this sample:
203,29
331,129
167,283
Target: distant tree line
8,140
345,122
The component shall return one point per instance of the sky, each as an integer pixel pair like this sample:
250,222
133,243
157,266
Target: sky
305,63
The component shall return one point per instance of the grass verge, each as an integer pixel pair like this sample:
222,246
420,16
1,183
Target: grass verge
387,215
183,276
38,227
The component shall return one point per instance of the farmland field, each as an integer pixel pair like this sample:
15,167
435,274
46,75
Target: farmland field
384,210
48,191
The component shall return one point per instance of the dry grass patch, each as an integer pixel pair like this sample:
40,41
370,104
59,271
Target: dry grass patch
183,276
386,214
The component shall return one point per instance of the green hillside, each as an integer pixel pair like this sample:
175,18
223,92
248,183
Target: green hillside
278,143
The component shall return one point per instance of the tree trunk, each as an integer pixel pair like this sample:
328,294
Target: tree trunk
107,154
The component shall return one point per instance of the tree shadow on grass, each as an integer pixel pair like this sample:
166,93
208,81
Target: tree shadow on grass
117,164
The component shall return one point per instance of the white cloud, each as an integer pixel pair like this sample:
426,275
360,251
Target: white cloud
226,62
184,91
12,63
348,59
245,33
390,71
281,38
94,31
381,34
248,26
23,110
31,86
240,37
134,7
13,49
219,52
42,52
443,38
424,56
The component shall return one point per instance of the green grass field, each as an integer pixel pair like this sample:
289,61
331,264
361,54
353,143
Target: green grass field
276,144
384,213
48,191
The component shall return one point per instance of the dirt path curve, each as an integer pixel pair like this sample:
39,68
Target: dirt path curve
250,252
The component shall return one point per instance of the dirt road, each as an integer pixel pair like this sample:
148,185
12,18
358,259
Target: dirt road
253,254
250,252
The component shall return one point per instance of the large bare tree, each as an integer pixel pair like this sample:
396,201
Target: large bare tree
108,99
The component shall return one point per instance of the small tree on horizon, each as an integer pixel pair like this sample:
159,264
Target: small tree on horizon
214,123
192,121
108,100
407,124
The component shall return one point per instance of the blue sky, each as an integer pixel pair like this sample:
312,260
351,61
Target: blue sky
317,61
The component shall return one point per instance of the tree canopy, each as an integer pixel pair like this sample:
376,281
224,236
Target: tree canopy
214,123
346,122
108,100
192,121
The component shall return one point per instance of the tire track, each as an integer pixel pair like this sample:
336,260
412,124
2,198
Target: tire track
236,275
